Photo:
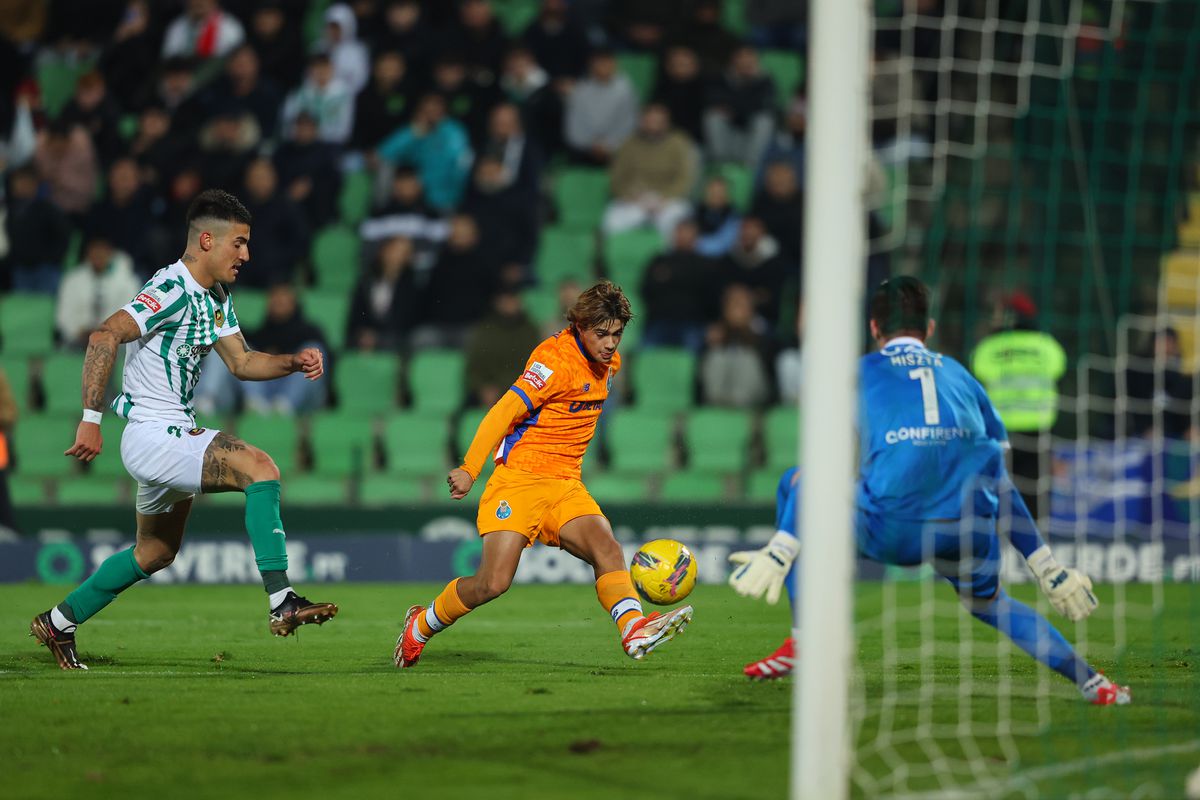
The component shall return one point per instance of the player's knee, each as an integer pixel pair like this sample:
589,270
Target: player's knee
608,554
492,586
263,468
153,556
979,605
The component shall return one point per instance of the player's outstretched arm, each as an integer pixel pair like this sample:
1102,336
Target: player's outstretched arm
97,369
492,428
251,365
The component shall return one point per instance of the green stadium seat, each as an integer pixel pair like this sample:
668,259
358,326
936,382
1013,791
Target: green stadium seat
692,487
16,370
663,379
328,311
354,201
464,430
564,253
342,444
277,435
733,17
632,337
762,483
335,258
62,377
108,464
26,325
613,488
415,444
226,499
640,441
516,15
250,307
390,490
315,490
367,383
313,24
786,69
741,184
626,255
781,434
39,442
541,305
26,491
56,83
641,69
580,195
94,492
718,440
436,381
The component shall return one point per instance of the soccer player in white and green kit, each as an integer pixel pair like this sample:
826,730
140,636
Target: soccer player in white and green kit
180,315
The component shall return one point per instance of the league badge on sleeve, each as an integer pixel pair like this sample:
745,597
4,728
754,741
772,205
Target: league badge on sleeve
538,374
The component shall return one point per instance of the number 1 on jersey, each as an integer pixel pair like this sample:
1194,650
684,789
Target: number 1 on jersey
928,393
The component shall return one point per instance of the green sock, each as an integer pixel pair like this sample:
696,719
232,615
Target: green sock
118,572
266,534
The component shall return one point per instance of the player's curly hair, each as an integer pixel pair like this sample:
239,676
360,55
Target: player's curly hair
901,305
216,204
603,302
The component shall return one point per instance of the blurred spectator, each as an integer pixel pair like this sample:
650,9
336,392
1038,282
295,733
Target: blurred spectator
643,25
308,171
479,38
558,43
326,99
459,290
437,146
125,214
91,292
176,92
385,303
1159,391
159,151
202,31
780,205
349,57
677,293
651,176
468,99
601,111
526,84
497,348
37,235
226,145
789,365
707,36
717,219
404,30
521,159
406,213
244,87
754,262
280,236
383,106
507,215
93,109
777,24
278,42
734,369
9,411
132,54
740,117
66,160
683,90
20,142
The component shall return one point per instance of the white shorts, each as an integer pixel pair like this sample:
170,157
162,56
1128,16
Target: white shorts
166,460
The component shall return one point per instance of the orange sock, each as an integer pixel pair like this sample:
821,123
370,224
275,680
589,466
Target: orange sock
447,608
619,598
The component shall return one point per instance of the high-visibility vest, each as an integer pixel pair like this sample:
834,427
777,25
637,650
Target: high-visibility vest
1020,370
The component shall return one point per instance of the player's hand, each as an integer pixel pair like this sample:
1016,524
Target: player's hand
460,483
310,362
1068,589
88,442
765,570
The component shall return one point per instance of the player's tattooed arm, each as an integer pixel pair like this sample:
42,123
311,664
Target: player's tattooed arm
251,365
102,354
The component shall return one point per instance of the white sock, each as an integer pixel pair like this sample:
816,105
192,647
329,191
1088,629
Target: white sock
59,620
276,598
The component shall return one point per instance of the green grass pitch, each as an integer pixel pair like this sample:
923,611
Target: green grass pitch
529,697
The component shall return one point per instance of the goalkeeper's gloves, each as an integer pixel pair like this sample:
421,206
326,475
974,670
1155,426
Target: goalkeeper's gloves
1069,590
764,570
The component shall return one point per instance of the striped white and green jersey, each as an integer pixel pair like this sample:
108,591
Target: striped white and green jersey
180,321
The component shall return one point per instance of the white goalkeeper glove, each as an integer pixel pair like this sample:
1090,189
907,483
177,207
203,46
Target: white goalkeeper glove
1069,590
764,570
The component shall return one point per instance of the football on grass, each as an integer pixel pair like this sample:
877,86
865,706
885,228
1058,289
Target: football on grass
663,571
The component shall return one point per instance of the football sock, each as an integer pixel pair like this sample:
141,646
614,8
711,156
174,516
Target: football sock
619,598
275,598
1034,634
118,572
442,612
266,534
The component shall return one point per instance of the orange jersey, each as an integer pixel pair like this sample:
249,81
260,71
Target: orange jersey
564,392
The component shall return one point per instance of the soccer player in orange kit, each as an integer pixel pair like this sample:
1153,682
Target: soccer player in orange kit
539,431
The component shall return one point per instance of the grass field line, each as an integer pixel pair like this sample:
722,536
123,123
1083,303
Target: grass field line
1060,770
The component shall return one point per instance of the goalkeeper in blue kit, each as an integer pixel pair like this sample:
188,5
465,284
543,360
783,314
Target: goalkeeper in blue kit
932,485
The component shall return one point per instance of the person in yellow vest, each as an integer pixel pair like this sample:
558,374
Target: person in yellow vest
1019,366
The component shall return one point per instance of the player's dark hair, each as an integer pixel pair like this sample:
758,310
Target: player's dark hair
603,302
901,305
216,204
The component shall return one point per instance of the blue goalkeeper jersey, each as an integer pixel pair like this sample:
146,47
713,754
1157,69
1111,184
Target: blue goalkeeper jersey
931,443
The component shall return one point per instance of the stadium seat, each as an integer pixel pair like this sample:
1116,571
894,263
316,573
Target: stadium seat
16,370
741,184
436,382
464,431
367,383
56,83
641,69
354,201
718,440
315,490
664,379
780,432
328,311
250,307
786,69
692,487
26,491
108,464
542,305
93,492
335,258
564,253
26,325
39,442
62,377
626,255
640,441
733,17
342,444
761,485
580,194
390,490
415,444
277,435
612,488
516,15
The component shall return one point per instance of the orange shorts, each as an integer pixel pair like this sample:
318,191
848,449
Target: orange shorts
535,506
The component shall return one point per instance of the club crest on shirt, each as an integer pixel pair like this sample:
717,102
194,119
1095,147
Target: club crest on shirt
219,317
195,431
504,510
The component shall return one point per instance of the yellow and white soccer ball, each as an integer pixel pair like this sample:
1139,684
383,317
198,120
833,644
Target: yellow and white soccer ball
663,572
